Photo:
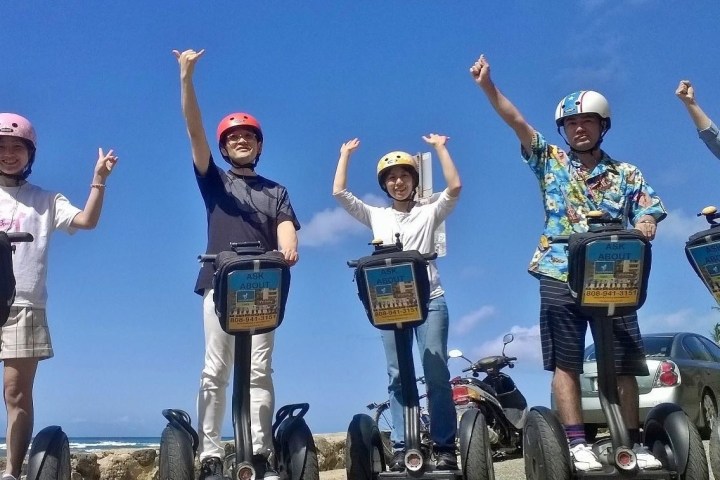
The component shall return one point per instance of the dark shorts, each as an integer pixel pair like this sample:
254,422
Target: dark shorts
563,328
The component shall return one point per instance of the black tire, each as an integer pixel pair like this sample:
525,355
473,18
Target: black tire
715,450
709,415
56,465
310,469
177,460
479,464
383,420
364,457
697,466
546,456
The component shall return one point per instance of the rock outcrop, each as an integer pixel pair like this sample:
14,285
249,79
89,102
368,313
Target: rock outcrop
143,464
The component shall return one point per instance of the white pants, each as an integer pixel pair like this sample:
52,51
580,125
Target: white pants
211,402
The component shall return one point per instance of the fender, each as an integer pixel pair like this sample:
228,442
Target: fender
49,440
291,438
180,420
669,421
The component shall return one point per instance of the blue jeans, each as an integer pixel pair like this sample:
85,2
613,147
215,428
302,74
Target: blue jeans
432,339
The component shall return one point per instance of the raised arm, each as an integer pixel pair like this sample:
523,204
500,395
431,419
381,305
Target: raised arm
480,72
340,181
452,177
191,109
686,93
89,217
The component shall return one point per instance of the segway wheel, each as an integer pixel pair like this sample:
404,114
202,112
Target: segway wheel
545,449
697,465
364,457
384,423
176,455
49,455
303,464
475,450
715,450
675,441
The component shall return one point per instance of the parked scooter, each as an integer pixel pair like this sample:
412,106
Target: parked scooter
606,284
245,307
702,251
503,405
50,450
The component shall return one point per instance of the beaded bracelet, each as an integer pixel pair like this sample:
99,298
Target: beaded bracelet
101,186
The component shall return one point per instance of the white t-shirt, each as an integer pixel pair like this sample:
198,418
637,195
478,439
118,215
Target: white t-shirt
416,227
29,208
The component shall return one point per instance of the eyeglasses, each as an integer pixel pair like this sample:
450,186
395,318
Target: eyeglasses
235,137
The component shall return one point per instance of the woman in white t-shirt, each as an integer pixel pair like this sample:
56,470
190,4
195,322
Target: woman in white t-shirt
24,207
398,177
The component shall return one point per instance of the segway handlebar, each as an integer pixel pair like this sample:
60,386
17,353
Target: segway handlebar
16,237
426,256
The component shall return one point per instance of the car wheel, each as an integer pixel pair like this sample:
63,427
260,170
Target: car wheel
709,413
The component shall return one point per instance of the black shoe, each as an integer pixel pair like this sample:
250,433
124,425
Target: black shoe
446,460
211,467
264,470
397,464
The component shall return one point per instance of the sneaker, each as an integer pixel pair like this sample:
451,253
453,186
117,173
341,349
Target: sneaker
397,464
584,458
645,459
7,476
209,467
446,460
263,468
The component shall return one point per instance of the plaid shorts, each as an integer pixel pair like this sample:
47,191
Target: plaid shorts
563,328
26,335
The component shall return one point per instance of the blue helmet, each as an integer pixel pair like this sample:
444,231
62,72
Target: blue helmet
584,101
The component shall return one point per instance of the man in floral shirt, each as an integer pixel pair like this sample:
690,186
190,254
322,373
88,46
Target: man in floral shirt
572,185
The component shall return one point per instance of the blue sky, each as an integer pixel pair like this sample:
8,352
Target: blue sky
126,325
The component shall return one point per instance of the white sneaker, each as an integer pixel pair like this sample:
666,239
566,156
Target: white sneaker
645,459
584,458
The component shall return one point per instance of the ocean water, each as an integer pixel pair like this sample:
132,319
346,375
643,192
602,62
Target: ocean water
99,444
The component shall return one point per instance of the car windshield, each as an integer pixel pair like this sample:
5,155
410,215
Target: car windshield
655,346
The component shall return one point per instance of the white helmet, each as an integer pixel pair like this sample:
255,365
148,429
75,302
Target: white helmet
584,101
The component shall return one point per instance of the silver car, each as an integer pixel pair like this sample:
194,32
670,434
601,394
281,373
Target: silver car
684,369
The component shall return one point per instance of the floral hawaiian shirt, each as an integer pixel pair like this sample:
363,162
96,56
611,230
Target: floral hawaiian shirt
569,192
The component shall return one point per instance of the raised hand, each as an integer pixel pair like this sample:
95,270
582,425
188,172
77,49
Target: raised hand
105,163
436,140
350,146
187,60
685,92
480,71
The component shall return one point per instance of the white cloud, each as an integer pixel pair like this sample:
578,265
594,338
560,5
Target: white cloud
525,346
684,320
331,225
468,322
678,226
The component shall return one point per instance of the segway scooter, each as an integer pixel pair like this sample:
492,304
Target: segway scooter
703,252
608,270
250,291
50,450
394,288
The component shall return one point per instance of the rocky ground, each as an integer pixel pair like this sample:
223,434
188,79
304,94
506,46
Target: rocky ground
143,464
